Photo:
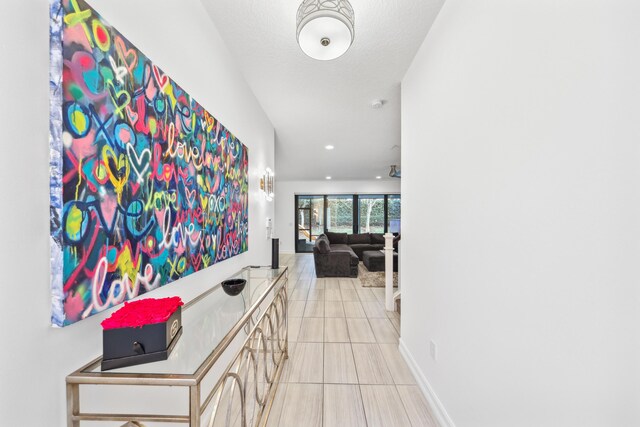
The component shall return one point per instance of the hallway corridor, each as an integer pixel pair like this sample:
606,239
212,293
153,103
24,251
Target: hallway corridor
344,367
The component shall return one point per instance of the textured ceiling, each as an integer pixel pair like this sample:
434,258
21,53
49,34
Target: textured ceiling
315,103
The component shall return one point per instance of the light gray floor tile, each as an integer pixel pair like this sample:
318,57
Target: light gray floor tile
319,284
343,406
339,366
333,309
416,406
365,294
332,283
374,309
332,295
384,331
311,330
284,377
397,366
316,295
360,331
296,308
302,406
393,315
396,325
353,309
349,295
371,365
299,294
306,363
383,407
345,283
335,330
294,328
276,407
314,309
379,293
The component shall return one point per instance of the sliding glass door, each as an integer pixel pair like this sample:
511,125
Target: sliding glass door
346,213
393,213
371,214
309,221
340,214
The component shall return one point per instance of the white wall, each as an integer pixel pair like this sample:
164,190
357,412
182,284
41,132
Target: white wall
521,212
285,198
179,37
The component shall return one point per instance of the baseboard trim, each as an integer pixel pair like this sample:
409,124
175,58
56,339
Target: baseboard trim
437,409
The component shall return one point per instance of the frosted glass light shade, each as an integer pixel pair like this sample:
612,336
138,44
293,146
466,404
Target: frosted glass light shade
325,28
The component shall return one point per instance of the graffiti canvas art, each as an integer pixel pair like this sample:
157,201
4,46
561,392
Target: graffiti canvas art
146,185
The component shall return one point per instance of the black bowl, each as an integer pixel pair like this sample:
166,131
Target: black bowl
233,287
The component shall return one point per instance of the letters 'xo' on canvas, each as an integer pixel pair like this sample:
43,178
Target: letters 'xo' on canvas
146,186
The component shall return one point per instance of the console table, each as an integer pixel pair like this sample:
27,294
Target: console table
223,371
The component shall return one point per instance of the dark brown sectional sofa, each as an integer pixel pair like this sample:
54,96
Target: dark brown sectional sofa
338,254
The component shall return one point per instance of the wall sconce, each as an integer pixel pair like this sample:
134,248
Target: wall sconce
266,184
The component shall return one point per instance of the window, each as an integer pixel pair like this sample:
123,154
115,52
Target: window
371,214
347,213
393,213
340,214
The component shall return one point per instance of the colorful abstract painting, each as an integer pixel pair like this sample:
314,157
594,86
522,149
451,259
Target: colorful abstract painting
146,185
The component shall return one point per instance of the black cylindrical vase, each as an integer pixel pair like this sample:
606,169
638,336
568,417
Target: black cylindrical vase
275,253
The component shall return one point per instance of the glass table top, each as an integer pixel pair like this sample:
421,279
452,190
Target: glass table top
206,321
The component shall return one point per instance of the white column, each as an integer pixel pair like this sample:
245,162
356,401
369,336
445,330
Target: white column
388,272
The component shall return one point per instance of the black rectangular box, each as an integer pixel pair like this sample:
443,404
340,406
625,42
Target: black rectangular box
133,346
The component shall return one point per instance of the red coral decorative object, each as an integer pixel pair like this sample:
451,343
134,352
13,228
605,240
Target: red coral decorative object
136,314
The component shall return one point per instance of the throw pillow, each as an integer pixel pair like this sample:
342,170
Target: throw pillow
359,239
377,238
336,238
322,243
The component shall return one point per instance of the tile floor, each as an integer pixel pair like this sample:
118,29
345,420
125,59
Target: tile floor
344,367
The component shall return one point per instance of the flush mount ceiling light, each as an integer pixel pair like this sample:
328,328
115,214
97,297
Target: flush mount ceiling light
325,28
329,147
328,177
